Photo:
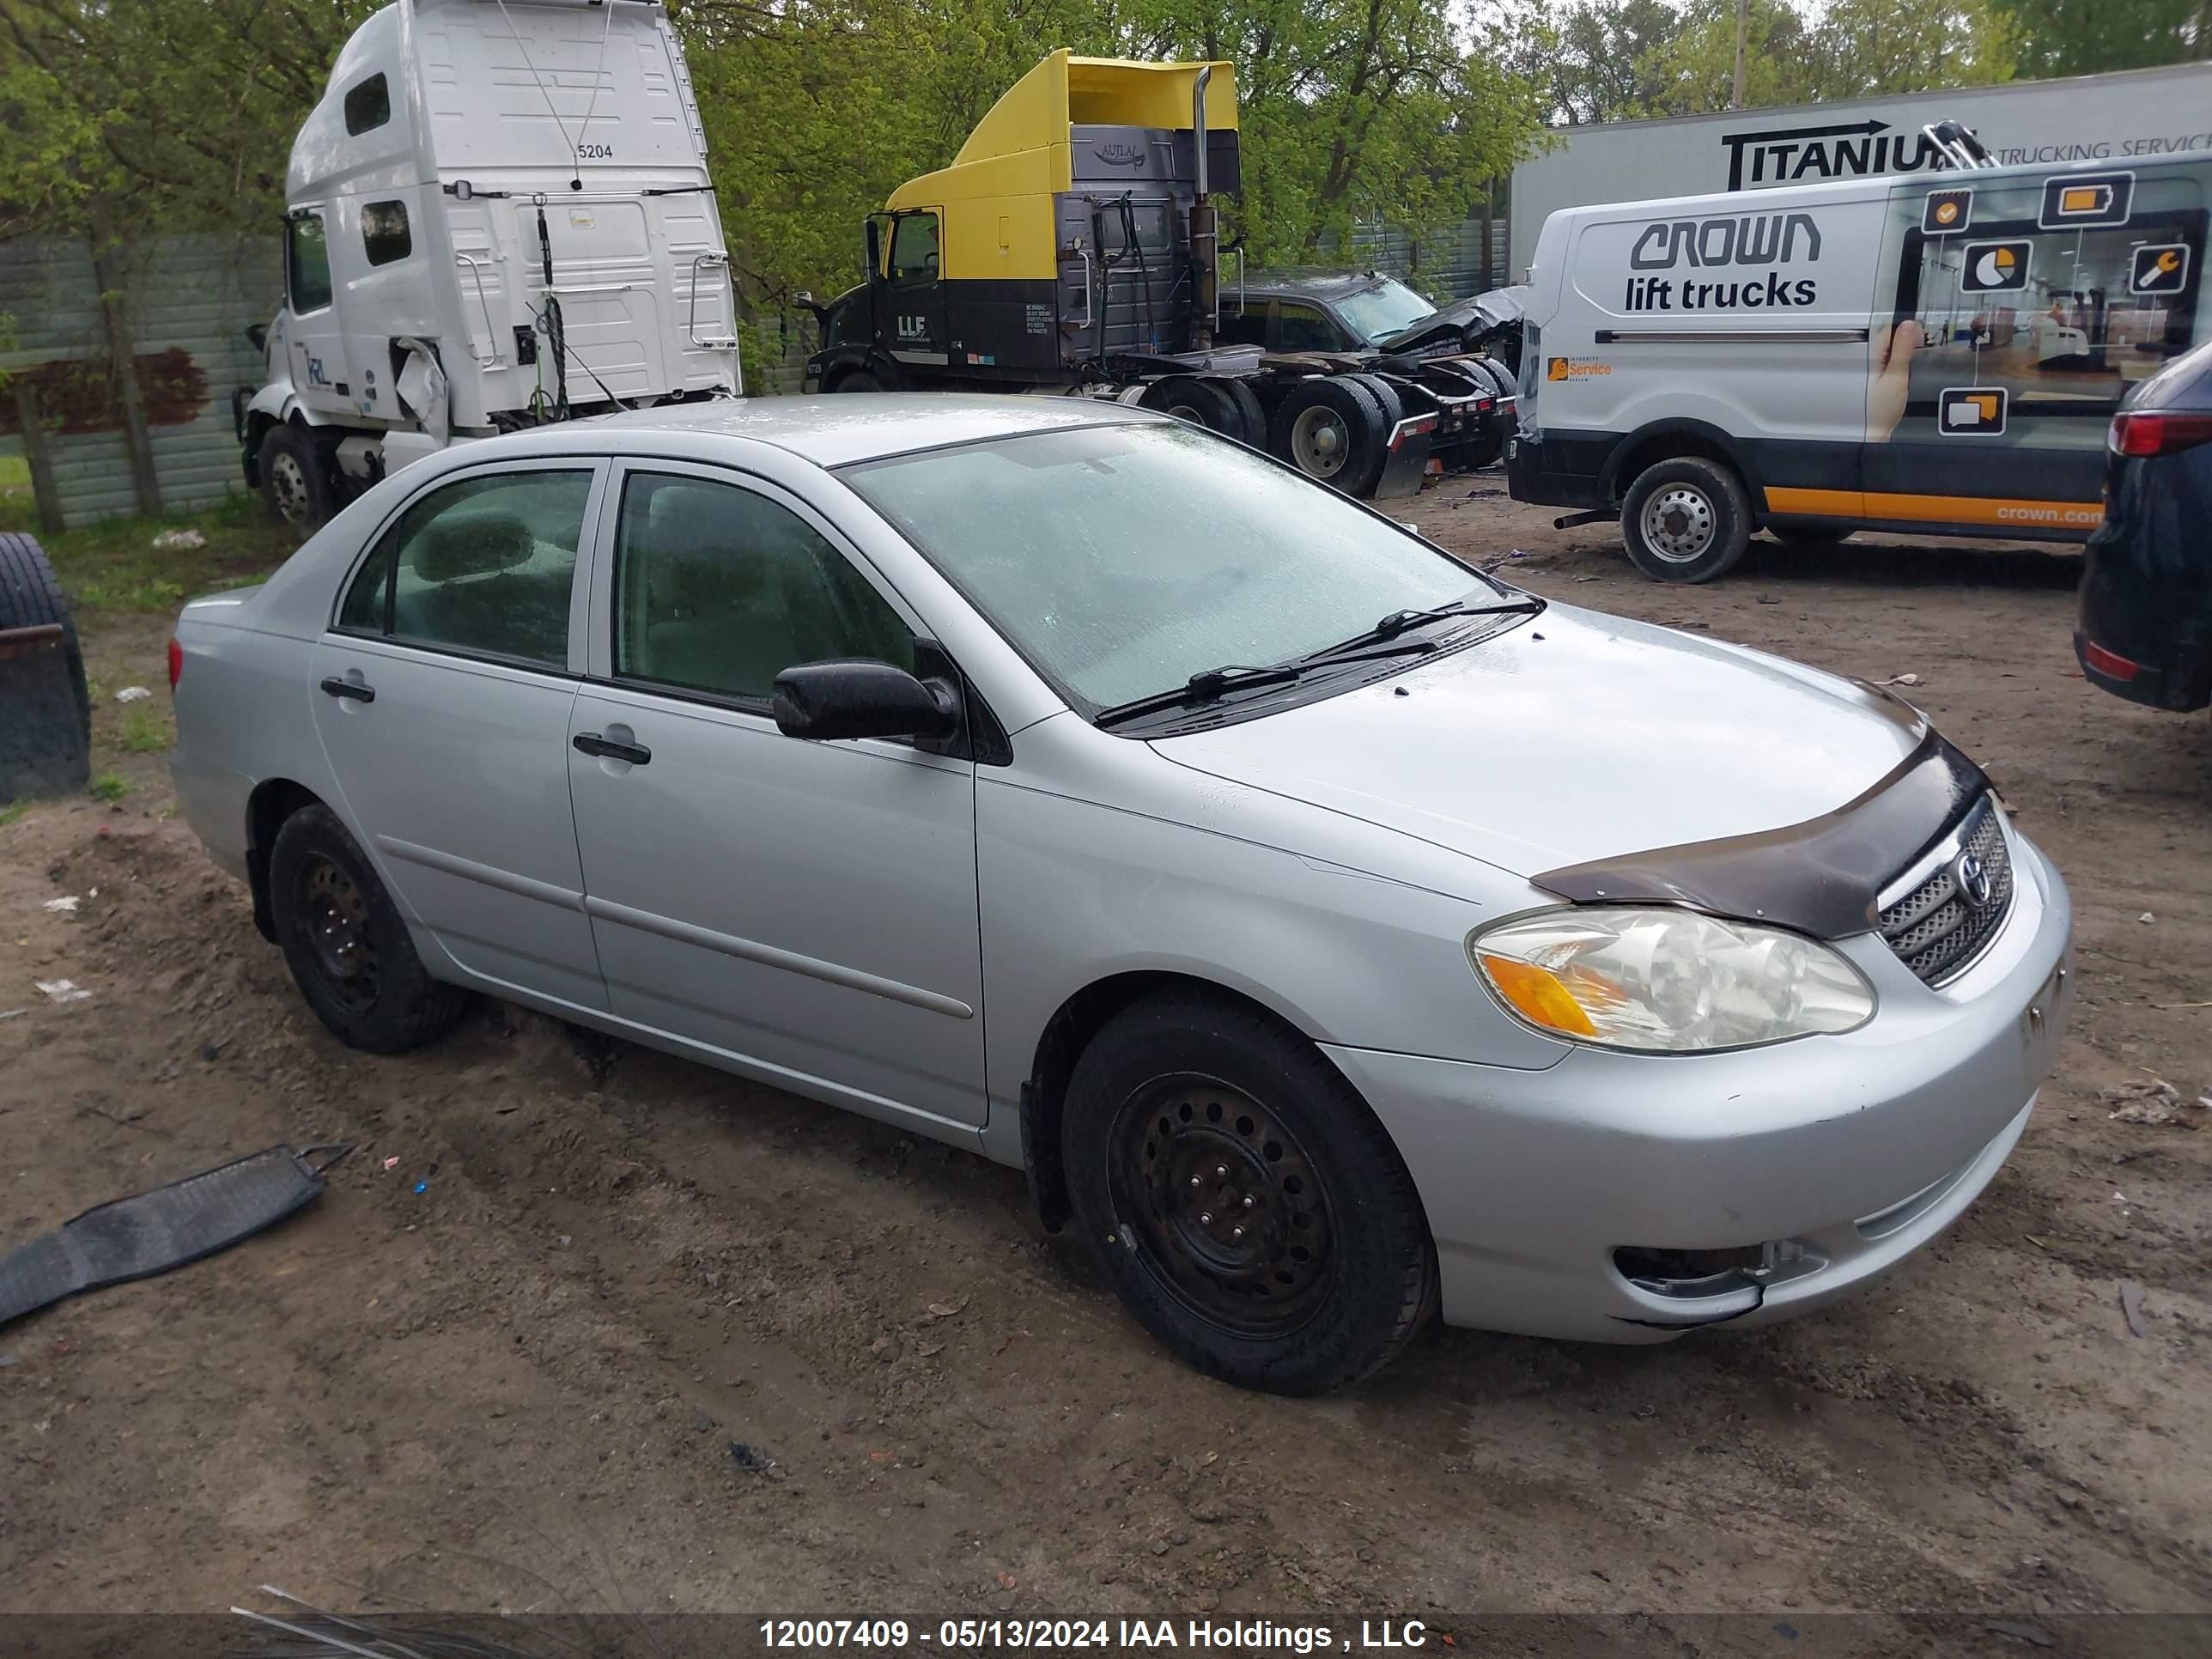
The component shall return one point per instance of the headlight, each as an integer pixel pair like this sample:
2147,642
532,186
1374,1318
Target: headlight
1666,980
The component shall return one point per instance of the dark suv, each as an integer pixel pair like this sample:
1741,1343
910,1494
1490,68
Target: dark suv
2145,628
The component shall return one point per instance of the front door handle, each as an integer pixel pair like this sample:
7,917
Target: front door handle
591,743
335,687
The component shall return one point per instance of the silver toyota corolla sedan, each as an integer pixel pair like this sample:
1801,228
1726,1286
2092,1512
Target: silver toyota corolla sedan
1332,933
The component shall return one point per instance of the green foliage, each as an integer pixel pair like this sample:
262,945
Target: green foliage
114,565
124,115
1350,109
1629,59
108,785
2080,37
142,730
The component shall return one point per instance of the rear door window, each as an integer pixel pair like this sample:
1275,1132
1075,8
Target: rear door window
484,565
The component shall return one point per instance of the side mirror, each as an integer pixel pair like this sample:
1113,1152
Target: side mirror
257,335
857,698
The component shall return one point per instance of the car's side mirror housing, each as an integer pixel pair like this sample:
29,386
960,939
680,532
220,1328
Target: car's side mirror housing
859,697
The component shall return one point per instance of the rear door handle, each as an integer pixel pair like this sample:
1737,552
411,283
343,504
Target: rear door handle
335,687
591,743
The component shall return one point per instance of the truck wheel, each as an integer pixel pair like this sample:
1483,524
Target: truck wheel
1202,402
1332,430
1238,1194
1686,519
345,943
861,380
45,741
1251,426
295,479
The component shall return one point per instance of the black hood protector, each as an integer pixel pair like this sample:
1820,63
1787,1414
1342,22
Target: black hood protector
1822,877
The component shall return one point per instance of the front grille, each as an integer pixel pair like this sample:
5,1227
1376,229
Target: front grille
1937,929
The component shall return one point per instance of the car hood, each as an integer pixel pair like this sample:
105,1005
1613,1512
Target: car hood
1571,736
1462,321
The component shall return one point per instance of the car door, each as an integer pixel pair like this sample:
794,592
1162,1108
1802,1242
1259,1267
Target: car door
442,694
809,909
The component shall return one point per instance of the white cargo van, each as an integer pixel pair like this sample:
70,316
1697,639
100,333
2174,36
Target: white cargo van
499,214
1936,353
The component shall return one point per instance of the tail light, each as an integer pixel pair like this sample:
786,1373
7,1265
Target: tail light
176,663
2154,432
2111,663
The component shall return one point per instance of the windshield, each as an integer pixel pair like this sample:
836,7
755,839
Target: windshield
1384,309
1122,559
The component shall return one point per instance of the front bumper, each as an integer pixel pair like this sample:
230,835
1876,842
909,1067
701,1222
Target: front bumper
1850,1152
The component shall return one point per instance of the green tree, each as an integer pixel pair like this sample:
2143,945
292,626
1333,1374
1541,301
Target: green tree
2076,36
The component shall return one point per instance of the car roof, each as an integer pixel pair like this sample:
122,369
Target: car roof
837,430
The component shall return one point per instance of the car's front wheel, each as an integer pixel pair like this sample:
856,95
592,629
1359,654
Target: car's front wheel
1245,1203
346,944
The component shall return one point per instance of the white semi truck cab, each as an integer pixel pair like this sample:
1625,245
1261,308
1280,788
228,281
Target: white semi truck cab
499,215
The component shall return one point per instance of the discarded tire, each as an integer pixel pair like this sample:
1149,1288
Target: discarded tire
46,716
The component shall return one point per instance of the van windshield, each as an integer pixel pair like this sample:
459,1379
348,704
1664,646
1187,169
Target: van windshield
1122,559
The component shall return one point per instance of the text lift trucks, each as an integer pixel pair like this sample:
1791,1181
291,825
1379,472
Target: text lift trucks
1072,245
499,215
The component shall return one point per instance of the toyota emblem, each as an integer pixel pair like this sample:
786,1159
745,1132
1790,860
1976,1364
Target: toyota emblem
1974,880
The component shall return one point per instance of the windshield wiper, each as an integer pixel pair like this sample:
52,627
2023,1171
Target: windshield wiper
1208,683
1399,621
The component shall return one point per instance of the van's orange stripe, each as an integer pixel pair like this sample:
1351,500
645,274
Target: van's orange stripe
1997,512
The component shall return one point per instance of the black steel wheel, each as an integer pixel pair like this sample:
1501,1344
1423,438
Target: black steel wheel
346,943
1241,1199
1229,1201
334,913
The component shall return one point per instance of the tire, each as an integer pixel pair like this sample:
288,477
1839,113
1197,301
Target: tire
346,944
1686,519
45,735
1809,535
1332,430
1244,1300
296,481
1251,416
1202,401
861,380
1386,398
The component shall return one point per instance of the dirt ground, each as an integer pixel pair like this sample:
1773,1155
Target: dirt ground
539,1361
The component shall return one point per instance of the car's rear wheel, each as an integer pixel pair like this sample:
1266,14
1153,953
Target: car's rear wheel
346,944
1244,1202
1686,519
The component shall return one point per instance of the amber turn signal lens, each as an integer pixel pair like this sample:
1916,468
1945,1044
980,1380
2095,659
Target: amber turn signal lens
1537,995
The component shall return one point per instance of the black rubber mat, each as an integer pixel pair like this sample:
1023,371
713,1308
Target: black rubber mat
153,1232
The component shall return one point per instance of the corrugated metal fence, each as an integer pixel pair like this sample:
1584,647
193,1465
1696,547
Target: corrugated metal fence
186,303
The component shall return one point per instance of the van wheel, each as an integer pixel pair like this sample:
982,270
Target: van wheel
1240,1196
295,479
1686,519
